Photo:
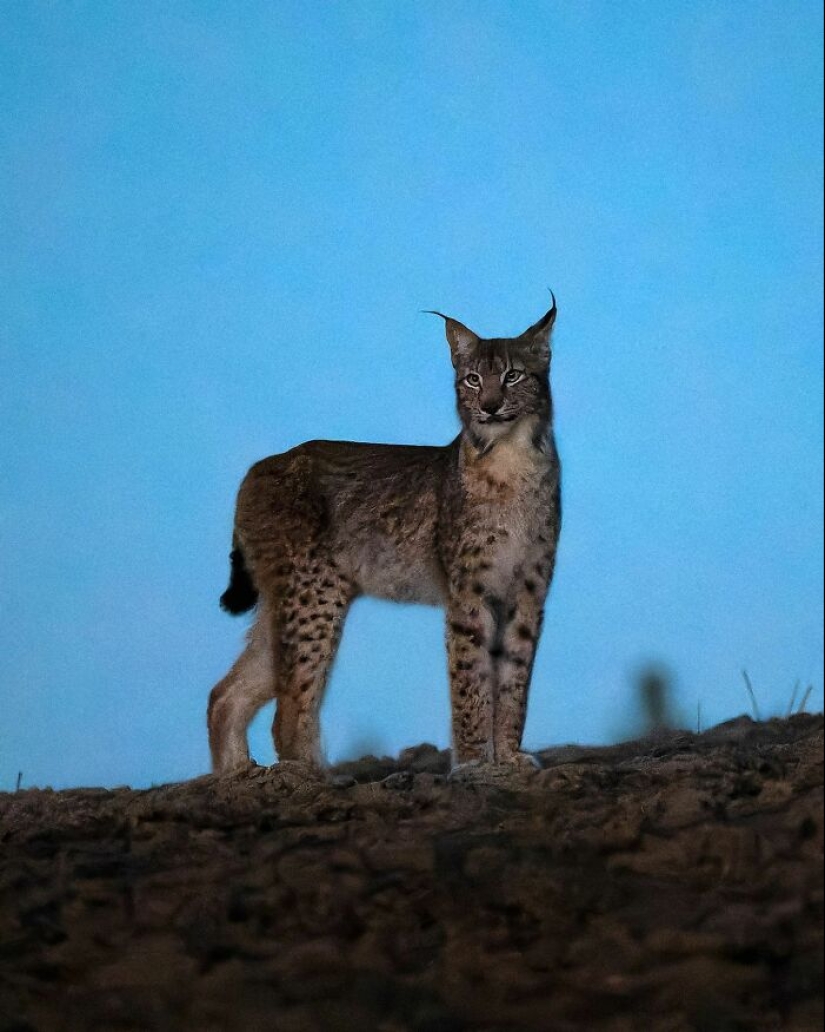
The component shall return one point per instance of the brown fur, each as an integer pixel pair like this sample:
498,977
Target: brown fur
471,526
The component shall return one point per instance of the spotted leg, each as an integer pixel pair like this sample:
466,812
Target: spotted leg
306,633
519,639
470,636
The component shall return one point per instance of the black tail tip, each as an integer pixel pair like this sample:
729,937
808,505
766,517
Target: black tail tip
241,595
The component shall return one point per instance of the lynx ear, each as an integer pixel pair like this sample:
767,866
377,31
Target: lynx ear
461,340
537,337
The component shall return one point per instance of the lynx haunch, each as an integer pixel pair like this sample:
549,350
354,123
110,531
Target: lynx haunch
471,526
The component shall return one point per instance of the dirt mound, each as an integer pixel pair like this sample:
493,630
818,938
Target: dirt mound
674,883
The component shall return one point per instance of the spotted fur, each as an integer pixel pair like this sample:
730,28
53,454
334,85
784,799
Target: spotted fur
471,526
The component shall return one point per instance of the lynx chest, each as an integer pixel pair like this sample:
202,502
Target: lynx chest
508,509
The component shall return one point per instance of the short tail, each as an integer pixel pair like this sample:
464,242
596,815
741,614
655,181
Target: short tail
241,595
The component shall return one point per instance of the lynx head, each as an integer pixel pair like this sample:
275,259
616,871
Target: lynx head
501,380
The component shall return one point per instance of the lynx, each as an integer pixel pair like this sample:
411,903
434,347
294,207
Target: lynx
471,526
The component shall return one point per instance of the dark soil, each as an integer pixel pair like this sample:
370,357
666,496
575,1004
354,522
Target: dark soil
670,884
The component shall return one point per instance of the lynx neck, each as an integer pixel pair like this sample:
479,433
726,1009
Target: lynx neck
521,453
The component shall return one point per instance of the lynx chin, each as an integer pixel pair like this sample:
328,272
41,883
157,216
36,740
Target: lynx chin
471,526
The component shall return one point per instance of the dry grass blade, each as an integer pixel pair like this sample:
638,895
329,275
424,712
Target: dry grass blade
805,697
754,704
792,703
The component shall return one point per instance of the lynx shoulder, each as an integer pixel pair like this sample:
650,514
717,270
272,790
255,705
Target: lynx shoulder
471,526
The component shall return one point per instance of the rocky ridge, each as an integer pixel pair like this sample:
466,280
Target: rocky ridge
674,883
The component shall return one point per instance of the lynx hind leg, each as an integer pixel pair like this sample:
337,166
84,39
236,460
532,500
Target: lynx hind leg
306,633
235,700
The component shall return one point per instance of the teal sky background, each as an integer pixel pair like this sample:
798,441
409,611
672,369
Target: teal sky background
220,222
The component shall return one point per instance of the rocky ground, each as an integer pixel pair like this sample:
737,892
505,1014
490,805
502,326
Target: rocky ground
669,884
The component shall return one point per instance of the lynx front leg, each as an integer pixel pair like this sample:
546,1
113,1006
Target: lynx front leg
470,637
235,700
308,635
514,668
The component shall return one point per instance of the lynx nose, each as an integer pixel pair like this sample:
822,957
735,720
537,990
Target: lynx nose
491,404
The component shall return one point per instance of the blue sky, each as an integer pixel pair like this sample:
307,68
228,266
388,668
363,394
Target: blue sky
220,224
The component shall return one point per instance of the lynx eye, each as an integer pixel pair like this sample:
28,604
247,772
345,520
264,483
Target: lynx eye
513,376
472,380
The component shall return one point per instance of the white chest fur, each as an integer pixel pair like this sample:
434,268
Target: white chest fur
515,458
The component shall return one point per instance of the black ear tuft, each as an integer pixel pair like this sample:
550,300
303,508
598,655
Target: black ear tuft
537,337
461,340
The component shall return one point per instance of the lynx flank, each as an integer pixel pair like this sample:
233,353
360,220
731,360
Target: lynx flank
471,526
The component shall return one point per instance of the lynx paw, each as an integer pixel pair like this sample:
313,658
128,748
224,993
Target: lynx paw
520,762
469,771
239,765
310,768
516,764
